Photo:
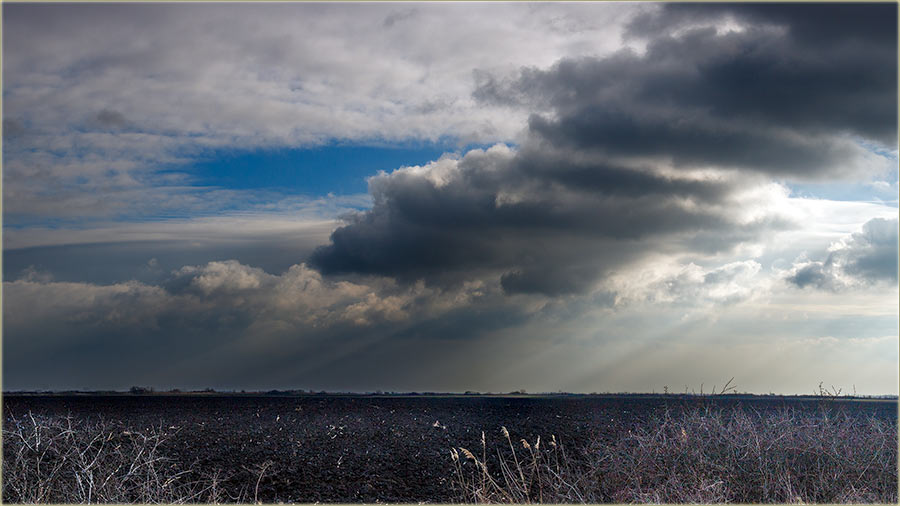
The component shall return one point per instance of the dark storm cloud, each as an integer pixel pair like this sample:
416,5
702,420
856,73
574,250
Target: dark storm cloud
541,223
809,24
866,257
837,68
620,134
598,176
781,102
634,153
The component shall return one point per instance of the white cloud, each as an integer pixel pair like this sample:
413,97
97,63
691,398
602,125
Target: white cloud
300,297
859,260
182,79
227,277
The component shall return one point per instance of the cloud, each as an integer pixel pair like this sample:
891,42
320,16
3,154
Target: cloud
694,286
250,323
34,305
230,325
12,128
222,290
673,149
872,253
819,44
633,221
541,223
864,258
272,235
115,112
398,16
765,97
807,25
812,274
110,119
228,277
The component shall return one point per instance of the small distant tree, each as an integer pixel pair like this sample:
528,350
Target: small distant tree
140,390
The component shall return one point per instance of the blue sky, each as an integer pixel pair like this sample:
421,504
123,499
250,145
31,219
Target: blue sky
339,169
853,192
562,196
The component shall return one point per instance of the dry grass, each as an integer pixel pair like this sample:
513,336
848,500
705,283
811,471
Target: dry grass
701,454
542,475
62,460
689,454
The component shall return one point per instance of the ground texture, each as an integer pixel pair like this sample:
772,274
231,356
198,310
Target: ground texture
359,448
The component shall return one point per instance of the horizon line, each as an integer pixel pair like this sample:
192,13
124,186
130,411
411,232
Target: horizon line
149,391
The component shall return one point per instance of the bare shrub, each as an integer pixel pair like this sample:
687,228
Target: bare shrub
738,455
703,455
53,459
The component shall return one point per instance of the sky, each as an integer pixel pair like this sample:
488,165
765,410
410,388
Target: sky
580,197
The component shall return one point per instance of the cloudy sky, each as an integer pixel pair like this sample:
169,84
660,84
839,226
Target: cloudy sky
439,196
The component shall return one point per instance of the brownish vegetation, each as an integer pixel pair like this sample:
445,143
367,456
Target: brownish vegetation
699,454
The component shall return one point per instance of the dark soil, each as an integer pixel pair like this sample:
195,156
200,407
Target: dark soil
365,448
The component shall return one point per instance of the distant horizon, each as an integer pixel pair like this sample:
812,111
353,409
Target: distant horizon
301,391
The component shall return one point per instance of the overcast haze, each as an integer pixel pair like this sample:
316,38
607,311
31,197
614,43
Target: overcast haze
584,197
